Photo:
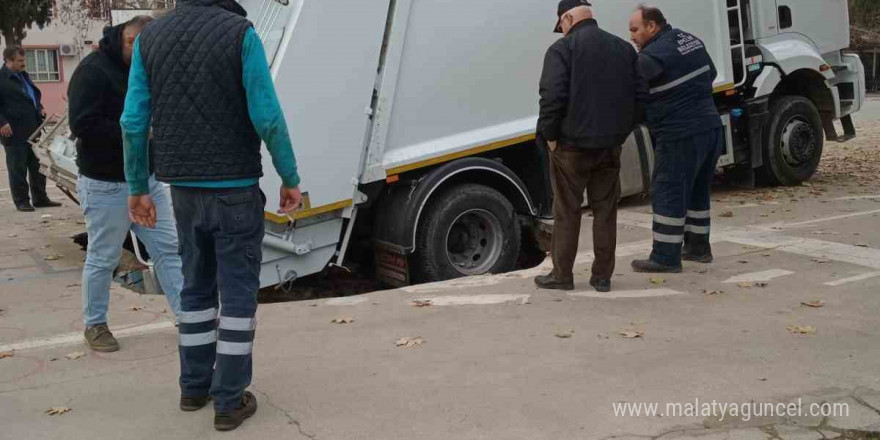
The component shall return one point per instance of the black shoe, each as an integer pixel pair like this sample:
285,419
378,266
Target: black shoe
651,266
603,286
46,204
549,282
26,207
190,404
234,419
704,258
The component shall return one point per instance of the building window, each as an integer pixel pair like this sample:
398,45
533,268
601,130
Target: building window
42,65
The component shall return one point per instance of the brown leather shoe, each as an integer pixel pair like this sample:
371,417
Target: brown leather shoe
232,420
99,338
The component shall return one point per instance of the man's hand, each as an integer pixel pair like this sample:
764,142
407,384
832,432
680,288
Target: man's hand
142,211
6,131
291,199
552,146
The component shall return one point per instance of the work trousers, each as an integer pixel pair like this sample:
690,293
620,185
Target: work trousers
221,234
681,195
573,170
21,164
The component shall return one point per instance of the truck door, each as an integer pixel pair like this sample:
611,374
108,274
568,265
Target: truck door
801,16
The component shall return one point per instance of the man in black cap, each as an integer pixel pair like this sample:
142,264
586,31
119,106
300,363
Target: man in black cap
588,100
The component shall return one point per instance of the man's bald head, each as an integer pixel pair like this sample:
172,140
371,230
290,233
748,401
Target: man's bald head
575,16
130,31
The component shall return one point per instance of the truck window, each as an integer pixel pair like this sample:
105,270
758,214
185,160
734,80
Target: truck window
785,20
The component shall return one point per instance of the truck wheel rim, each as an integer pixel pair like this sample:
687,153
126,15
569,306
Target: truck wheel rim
474,242
798,142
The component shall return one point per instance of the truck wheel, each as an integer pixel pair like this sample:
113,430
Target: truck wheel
466,230
793,143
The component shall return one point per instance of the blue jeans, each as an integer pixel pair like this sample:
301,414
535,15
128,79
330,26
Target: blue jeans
105,207
221,236
681,195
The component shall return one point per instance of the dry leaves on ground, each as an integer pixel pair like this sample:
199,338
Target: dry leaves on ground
422,303
346,320
801,329
75,355
565,335
6,354
821,261
58,410
52,257
631,334
814,304
409,342
658,281
746,285
136,308
727,214
713,292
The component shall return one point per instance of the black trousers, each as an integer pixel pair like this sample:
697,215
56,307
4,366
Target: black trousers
22,164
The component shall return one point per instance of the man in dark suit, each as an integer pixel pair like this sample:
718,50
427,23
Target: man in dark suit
21,113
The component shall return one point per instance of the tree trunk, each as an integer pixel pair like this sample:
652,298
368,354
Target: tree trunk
9,38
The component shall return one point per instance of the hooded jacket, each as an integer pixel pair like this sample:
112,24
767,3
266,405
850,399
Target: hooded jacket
97,97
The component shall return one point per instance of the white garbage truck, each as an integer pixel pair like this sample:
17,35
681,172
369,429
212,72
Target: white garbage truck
413,121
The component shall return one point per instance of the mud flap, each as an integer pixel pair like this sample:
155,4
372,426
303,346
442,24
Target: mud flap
392,264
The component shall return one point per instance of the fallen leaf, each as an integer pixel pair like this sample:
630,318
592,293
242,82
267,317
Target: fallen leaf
75,355
743,261
820,261
727,214
765,255
565,335
762,379
801,329
25,249
814,304
864,245
658,280
80,222
702,271
58,410
346,320
409,342
631,334
603,336
422,303
46,216
73,285
6,354
761,285
745,285
53,359
13,235
713,292
136,308
52,257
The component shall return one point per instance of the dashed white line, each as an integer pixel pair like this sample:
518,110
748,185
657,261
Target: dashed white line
862,277
475,300
830,219
650,293
754,277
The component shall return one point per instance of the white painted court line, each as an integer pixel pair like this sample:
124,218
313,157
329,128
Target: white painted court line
77,338
755,277
475,300
752,205
477,281
862,277
650,293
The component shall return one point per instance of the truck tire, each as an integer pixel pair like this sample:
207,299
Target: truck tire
794,139
466,230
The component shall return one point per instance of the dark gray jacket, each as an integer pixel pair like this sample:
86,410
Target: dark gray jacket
17,109
588,89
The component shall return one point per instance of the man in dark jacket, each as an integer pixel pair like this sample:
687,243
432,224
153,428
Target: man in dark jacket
21,113
97,96
588,97
200,75
687,131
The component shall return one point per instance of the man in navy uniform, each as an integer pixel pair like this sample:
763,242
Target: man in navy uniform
687,130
